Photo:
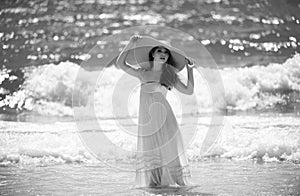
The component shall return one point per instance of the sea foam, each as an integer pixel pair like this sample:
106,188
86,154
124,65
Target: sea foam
258,138
59,89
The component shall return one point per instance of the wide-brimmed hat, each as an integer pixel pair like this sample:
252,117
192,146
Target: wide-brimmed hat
140,52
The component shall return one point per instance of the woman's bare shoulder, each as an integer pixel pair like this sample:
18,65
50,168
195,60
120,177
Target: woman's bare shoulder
141,72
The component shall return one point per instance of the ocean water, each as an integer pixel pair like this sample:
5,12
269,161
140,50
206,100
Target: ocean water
254,155
237,33
45,150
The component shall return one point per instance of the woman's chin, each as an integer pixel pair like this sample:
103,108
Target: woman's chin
161,61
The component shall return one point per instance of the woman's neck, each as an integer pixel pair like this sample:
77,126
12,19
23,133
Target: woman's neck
157,66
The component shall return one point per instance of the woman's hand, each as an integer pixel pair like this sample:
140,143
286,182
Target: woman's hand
134,38
121,60
190,63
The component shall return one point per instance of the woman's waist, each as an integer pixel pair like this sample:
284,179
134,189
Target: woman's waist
153,87
153,84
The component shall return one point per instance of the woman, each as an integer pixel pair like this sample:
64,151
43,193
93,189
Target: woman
161,159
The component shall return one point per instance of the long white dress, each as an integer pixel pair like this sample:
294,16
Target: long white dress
161,159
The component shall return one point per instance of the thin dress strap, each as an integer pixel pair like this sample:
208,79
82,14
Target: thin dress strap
150,82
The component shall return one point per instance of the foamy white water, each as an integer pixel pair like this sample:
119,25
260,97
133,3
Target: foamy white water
259,138
50,90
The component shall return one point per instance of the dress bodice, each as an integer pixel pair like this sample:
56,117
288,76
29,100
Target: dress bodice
150,82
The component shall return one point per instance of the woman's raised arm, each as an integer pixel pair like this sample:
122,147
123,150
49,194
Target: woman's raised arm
121,60
189,88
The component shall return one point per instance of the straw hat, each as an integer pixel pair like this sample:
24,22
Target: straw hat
140,52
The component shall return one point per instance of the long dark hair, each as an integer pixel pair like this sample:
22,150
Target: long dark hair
168,77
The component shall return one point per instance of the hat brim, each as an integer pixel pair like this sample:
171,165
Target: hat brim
140,53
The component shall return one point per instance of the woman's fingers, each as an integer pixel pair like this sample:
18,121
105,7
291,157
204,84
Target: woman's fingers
138,36
190,60
187,60
134,38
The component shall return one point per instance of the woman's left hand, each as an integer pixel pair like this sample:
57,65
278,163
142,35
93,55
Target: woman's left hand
190,63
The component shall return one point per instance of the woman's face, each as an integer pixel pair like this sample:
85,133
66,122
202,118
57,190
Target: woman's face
161,55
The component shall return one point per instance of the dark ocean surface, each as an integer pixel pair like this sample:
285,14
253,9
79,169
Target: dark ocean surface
236,33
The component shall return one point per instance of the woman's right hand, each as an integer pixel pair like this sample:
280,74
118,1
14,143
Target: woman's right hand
134,38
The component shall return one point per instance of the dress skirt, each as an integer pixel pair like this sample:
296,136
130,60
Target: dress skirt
160,158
